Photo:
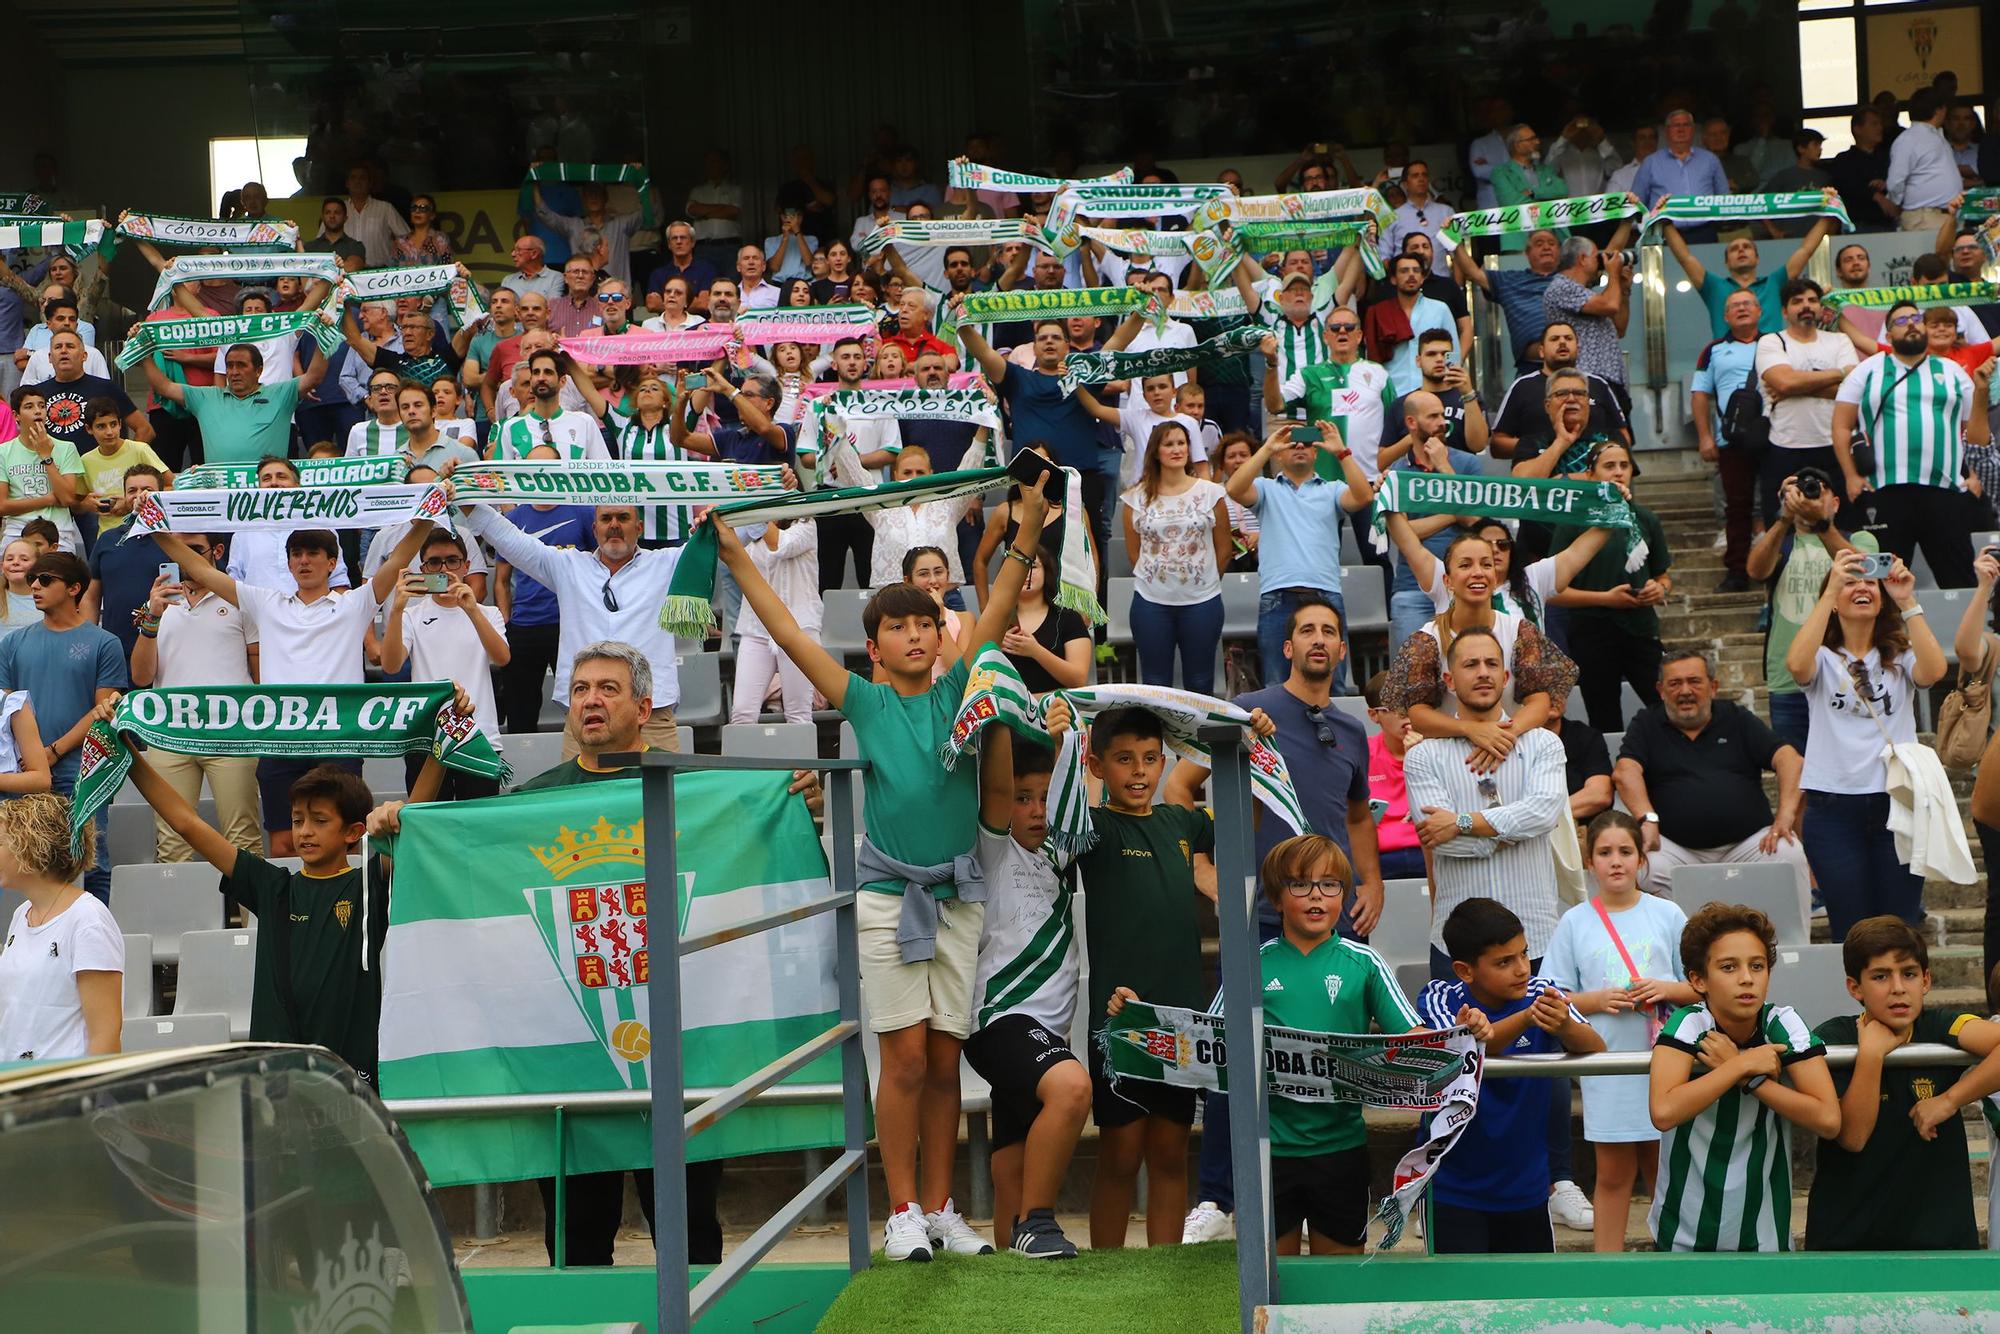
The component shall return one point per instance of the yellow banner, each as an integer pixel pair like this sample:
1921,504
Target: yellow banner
480,224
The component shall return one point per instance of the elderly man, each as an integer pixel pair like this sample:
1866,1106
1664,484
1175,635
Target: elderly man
1523,178
681,263
1599,317
614,229
242,419
1519,292
577,310
531,273
1692,772
1680,167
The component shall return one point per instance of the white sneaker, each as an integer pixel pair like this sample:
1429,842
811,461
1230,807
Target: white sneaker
950,1232
1569,1206
907,1236
1206,1222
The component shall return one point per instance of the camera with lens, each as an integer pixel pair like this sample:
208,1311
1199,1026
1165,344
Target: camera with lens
1629,258
1811,482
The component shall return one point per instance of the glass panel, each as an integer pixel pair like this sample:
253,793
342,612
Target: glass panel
231,162
1806,5
1827,69
1839,135
217,1194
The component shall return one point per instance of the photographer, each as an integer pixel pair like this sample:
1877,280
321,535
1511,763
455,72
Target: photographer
1793,558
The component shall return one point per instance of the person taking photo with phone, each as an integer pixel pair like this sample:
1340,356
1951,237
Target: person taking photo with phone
437,624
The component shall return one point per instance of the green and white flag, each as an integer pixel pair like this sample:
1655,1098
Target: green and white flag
304,722
229,233
1923,294
23,203
531,977
18,232
461,294
1182,715
242,269
611,482
1088,368
966,175
222,330
1979,204
1533,215
1700,210
1538,500
948,231
282,509
385,469
1059,303
591,173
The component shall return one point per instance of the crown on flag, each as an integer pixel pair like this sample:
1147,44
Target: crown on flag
604,844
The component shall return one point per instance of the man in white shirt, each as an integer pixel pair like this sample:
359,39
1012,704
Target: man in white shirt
311,637
1645,142
259,557
1799,371
375,223
1583,155
1923,172
547,422
753,293
447,636
860,453
614,592
1420,211
879,214
198,639
1172,333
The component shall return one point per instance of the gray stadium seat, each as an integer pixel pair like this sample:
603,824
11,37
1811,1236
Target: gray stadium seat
531,753
1769,887
138,976
1355,707
384,773
685,735
1239,605
129,829
790,741
1361,588
216,975
1812,980
166,900
1613,743
840,631
1413,978
1118,610
168,1031
701,690
1944,607
1404,933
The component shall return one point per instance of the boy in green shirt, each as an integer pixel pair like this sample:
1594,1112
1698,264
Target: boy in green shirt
917,927
318,977
1900,1134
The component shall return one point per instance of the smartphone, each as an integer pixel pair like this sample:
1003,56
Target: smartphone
1876,565
170,571
435,583
1306,435
1377,808
1027,468
699,380
104,504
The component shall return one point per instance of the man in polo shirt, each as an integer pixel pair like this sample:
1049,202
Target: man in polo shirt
1692,773
577,310
531,273
913,334
242,419
1298,515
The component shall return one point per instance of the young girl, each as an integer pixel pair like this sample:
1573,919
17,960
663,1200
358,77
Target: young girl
1237,447
62,982
790,359
929,568
931,523
788,557
1615,956
1612,612
891,364
18,612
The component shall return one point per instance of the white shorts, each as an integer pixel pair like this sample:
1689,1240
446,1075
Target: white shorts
936,991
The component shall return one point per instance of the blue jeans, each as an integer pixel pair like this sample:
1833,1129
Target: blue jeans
1402,863
1409,611
1274,623
1853,860
1791,718
1215,1174
1194,632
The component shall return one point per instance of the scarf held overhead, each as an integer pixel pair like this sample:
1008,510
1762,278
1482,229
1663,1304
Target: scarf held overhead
376,470
285,508
948,232
1695,210
963,174
805,324
1580,504
242,268
616,482
224,330
1058,303
461,294
1534,215
1923,294
652,349
20,232
995,693
1087,368
229,233
592,173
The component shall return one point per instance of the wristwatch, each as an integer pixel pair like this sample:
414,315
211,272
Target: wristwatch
1650,817
1465,822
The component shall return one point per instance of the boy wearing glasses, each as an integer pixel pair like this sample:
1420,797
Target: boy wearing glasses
446,634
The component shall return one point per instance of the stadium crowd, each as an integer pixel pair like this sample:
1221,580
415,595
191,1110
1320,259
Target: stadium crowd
1845,437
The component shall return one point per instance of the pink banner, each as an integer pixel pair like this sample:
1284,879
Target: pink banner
765,332
958,380
659,349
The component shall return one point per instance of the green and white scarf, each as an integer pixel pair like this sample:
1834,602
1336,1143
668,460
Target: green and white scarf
23,203
1063,233
461,295
595,173
1086,368
1982,203
613,482
947,232
303,722
1700,210
1217,303
19,232
223,330
1923,294
381,470
1216,256
687,612
1538,500
805,324
995,692
283,509
967,406
242,268
242,234
1533,215
1264,237
1061,303
965,175
1359,205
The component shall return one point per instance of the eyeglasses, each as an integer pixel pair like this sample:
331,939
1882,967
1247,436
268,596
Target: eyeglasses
39,580
610,598
423,208
1904,321
1568,393
1500,543
548,436
1343,328
1326,889
444,563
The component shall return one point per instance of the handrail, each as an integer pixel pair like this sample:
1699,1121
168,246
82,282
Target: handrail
1639,1062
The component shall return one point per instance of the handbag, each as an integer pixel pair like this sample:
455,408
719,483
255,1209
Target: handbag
1656,1019
1967,712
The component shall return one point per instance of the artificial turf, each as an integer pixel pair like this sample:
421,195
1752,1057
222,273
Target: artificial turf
1106,1292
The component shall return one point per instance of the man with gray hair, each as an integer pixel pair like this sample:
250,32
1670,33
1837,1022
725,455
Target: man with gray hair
1599,316
531,273
1692,773
1680,167
753,438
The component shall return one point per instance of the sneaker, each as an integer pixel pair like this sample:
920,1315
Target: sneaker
1733,583
952,1234
907,1236
1569,1206
1040,1237
1818,905
1206,1222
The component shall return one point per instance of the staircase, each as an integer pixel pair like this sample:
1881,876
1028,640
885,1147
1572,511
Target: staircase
1678,488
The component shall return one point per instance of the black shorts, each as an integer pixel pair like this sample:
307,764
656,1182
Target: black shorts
274,785
1012,1054
1134,1098
1326,1191
1456,1230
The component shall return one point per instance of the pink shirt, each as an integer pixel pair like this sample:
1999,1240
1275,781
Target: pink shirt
1385,783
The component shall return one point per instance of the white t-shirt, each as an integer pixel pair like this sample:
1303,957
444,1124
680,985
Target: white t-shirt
204,643
1541,577
41,1015
1802,423
1844,749
259,558
1175,334
387,538
1135,428
444,646
1176,564
1582,957
11,703
1023,894
310,643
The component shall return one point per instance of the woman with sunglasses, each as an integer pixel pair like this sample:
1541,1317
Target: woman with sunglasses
1860,656
1613,618
425,244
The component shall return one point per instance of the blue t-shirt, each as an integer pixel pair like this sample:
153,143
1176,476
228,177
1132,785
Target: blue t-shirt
1723,367
1330,777
125,571
563,527
1501,1161
740,445
1040,410
62,671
